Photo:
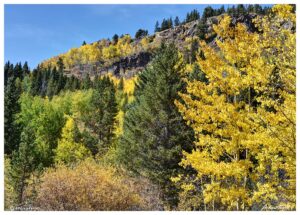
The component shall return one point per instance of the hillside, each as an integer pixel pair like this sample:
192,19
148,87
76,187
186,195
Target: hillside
208,125
128,56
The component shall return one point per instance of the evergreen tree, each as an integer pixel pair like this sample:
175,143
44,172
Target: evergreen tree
221,10
69,84
176,21
61,78
11,108
164,25
45,76
18,72
257,9
192,16
250,8
101,119
75,83
194,50
208,12
115,39
234,11
83,43
170,22
61,82
241,9
72,83
52,86
156,28
230,11
36,81
25,69
8,72
86,82
23,164
154,132
141,33
202,29
60,64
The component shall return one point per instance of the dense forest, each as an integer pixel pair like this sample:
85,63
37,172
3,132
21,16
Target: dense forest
208,126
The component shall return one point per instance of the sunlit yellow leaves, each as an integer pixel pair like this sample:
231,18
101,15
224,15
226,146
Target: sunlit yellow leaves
68,151
244,117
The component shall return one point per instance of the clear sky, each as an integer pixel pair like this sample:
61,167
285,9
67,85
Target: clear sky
36,32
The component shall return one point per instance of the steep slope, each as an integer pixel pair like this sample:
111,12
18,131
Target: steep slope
126,56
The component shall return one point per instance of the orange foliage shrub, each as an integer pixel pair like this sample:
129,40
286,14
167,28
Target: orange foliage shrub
89,186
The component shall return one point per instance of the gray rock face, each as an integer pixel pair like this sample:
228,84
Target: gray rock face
130,65
247,20
133,62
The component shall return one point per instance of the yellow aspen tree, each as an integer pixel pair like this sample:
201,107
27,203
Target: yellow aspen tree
68,151
244,116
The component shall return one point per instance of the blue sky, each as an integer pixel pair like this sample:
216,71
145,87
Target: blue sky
36,32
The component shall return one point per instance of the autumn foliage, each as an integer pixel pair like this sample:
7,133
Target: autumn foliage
209,124
88,186
244,118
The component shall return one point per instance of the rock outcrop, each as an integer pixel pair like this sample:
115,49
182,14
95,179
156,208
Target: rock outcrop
130,65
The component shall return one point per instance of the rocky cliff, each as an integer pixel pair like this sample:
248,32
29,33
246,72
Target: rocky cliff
130,65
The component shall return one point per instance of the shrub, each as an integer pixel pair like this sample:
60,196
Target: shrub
88,186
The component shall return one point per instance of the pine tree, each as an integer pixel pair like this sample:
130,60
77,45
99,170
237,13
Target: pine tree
202,29
25,69
18,73
221,10
60,65
61,81
86,82
104,110
176,21
250,8
257,9
141,33
241,9
115,39
36,80
52,86
156,28
8,71
154,131
23,163
11,108
192,16
170,22
208,12
164,25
